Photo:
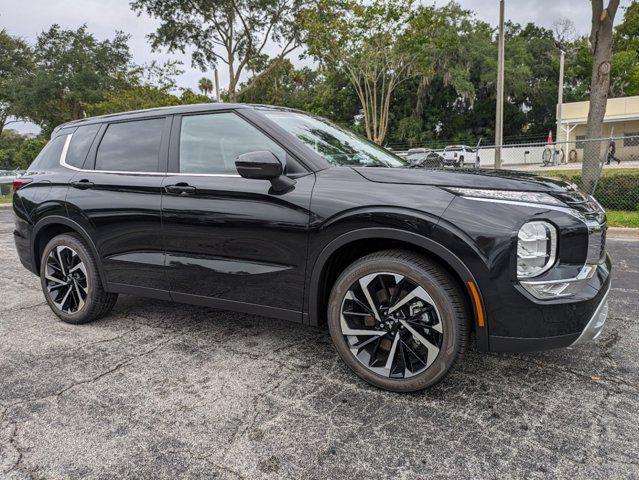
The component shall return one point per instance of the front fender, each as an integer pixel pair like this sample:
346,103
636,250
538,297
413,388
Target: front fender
428,244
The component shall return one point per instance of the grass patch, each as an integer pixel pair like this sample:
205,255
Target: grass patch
5,199
622,218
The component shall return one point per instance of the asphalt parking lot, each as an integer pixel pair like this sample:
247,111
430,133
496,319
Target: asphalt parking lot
160,390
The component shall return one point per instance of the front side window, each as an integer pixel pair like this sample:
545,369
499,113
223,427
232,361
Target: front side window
338,146
211,143
131,146
49,156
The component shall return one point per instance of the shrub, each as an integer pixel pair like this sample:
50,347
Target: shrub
616,190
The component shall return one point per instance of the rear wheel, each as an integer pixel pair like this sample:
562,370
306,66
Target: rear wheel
398,320
71,283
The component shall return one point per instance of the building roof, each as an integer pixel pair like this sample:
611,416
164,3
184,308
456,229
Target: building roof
617,110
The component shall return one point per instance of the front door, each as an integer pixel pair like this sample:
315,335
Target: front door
230,241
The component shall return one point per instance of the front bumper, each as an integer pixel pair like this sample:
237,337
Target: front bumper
595,325
577,321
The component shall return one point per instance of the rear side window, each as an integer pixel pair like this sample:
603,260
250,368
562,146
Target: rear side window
80,144
131,146
211,143
49,156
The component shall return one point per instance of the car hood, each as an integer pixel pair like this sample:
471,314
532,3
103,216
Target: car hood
479,178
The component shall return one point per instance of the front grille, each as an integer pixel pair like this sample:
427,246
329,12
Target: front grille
594,217
596,243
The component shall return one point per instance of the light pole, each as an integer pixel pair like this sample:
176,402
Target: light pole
499,116
217,87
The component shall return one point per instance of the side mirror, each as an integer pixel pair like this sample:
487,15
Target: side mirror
263,165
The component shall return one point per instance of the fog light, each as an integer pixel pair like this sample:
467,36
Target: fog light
536,248
568,287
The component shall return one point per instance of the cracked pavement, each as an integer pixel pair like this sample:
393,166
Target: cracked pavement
160,390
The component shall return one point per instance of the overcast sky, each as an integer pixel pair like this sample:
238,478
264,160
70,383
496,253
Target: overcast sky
27,18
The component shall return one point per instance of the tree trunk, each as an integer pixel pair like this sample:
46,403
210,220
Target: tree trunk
601,42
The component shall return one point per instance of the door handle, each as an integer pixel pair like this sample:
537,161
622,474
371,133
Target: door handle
82,184
181,189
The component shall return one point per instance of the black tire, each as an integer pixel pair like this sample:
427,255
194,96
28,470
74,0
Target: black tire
95,303
449,305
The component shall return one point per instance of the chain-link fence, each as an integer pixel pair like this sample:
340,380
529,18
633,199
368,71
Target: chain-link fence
606,167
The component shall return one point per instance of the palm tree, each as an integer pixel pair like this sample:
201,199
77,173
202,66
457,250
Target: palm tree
205,85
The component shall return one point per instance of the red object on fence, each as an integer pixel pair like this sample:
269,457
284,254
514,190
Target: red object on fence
550,140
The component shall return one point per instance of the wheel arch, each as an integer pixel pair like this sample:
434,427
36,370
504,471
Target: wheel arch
345,249
51,226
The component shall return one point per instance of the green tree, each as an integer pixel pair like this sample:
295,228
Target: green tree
28,151
189,97
233,32
15,61
205,85
18,151
361,40
71,71
134,97
147,86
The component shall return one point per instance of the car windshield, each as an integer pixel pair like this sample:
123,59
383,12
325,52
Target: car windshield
337,145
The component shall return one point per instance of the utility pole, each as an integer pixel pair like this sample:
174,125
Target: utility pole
217,86
560,94
499,117
560,101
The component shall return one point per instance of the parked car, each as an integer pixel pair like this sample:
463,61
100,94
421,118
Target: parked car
424,157
460,156
278,213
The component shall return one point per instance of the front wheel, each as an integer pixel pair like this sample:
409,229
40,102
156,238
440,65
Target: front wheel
398,320
71,283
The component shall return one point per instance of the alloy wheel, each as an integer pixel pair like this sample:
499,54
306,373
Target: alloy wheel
391,325
66,279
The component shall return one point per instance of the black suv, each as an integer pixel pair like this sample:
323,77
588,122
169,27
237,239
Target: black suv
275,212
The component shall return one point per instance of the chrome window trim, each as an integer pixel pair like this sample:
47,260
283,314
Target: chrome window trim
63,154
231,175
63,163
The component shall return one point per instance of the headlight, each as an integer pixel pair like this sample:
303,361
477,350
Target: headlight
536,248
508,195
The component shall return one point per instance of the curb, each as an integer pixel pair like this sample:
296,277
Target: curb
621,233
5,205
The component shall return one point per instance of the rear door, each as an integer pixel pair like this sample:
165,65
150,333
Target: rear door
232,242
116,196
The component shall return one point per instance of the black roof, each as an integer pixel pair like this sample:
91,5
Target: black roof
150,112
